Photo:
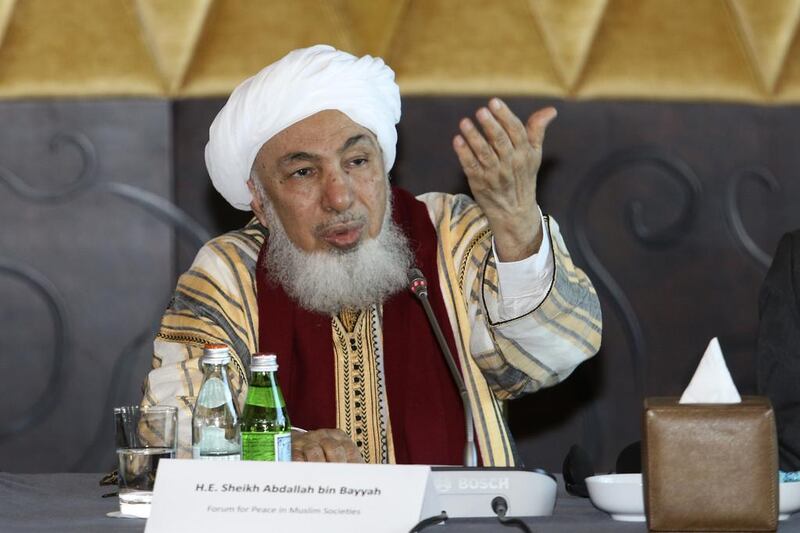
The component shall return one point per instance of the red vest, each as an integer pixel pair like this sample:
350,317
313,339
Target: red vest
427,417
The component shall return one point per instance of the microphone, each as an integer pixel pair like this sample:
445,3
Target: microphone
489,492
418,286
457,492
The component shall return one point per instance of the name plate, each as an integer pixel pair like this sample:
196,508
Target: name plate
209,496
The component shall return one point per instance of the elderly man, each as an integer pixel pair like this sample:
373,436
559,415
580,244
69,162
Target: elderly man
319,276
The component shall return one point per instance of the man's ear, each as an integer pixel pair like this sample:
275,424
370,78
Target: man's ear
255,203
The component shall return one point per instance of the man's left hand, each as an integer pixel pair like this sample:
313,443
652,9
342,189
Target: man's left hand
324,446
501,163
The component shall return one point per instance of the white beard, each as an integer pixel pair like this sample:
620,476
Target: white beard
328,282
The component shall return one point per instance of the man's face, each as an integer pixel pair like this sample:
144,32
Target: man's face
324,176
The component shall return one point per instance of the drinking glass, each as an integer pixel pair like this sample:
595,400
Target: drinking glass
144,436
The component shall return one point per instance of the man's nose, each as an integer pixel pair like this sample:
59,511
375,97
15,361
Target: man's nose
337,194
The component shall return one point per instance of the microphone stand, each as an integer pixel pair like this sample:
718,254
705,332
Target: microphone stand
419,287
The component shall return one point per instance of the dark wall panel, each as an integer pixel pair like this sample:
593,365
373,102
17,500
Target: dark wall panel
85,271
673,210
193,189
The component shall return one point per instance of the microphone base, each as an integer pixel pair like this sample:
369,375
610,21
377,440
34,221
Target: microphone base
465,492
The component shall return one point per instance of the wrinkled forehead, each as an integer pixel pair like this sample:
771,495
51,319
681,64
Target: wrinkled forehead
323,133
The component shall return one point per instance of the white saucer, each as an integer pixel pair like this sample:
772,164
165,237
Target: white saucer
620,495
788,499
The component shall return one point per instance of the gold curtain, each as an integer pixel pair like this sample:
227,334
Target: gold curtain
721,50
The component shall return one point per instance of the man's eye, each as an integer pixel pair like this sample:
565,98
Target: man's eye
302,173
359,161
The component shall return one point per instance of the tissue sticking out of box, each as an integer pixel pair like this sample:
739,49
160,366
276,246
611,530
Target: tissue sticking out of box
712,382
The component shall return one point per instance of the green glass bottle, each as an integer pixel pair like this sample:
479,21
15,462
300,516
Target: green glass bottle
266,431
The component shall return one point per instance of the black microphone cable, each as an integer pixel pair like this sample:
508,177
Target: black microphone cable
425,523
500,508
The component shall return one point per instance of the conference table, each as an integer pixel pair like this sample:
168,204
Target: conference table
67,503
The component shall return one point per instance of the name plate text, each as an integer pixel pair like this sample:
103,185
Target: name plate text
209,496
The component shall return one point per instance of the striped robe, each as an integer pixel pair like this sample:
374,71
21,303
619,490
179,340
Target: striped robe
215,301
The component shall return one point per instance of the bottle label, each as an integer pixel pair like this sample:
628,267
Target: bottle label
213,393
214,445
283,447
266,446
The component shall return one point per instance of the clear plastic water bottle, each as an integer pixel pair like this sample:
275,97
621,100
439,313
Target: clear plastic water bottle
215,419
266,431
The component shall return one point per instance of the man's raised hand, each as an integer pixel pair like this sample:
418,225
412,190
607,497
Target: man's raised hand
501,161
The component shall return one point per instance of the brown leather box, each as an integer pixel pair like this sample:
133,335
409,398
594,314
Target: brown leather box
710,467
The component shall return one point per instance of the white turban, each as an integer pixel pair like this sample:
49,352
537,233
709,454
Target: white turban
304,82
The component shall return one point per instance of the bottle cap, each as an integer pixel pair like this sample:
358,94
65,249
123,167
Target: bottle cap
216,354
262,362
